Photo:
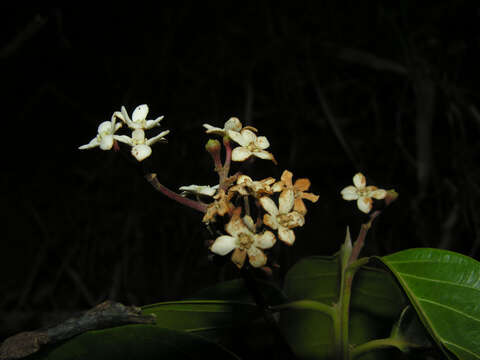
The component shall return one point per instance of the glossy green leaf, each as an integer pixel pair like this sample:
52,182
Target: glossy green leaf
376,303
444,288
142,342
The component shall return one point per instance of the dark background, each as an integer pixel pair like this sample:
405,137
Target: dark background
389,90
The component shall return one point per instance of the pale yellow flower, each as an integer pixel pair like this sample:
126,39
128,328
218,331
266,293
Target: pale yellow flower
105,135
282,218
250,145
139,118
362,193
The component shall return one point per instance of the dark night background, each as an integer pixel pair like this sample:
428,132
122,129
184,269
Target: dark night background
386,88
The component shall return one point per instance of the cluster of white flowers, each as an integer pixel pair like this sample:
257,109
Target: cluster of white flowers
232,198
141,149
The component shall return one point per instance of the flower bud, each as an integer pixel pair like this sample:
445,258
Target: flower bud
213,147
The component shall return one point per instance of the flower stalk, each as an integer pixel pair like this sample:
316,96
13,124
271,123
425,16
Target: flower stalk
196,205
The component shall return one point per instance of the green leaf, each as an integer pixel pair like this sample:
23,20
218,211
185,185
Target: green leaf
207,318
142,342
377,302
444,288
224,313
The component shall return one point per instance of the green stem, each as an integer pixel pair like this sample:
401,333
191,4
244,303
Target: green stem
342,316
378,344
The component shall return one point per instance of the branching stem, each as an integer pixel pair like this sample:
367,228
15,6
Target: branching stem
199,206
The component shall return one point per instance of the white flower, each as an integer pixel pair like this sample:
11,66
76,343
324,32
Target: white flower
140,144
233,124
105,137
362,193
244,241
205,190
250,145
139,118
282,218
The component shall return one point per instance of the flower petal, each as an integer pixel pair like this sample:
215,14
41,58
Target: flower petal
107,142
125,116
124,139
213,129
223,245
233,124
241,154
105,128
262,154
93,143
286,201
238,257
248,136
269,205
365,204
159,137
302,184
309,196
256,257
299,206
287,178
244,179
152,123
199,190
236,226
247,219
349,193
141,152
265,240
237,137
270,221
262,142
140,113
286,235
359,181
378,194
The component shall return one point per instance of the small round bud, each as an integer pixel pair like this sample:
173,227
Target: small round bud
213,146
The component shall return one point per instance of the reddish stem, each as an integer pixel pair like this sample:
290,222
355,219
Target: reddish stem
228,156
360,242
152,179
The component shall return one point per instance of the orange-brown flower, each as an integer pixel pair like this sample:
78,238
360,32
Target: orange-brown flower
299,188
220,206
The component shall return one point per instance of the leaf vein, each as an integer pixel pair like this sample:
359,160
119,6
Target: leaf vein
437,280
449,308
463,348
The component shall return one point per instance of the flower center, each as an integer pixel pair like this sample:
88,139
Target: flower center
244,241
287,220
252,147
